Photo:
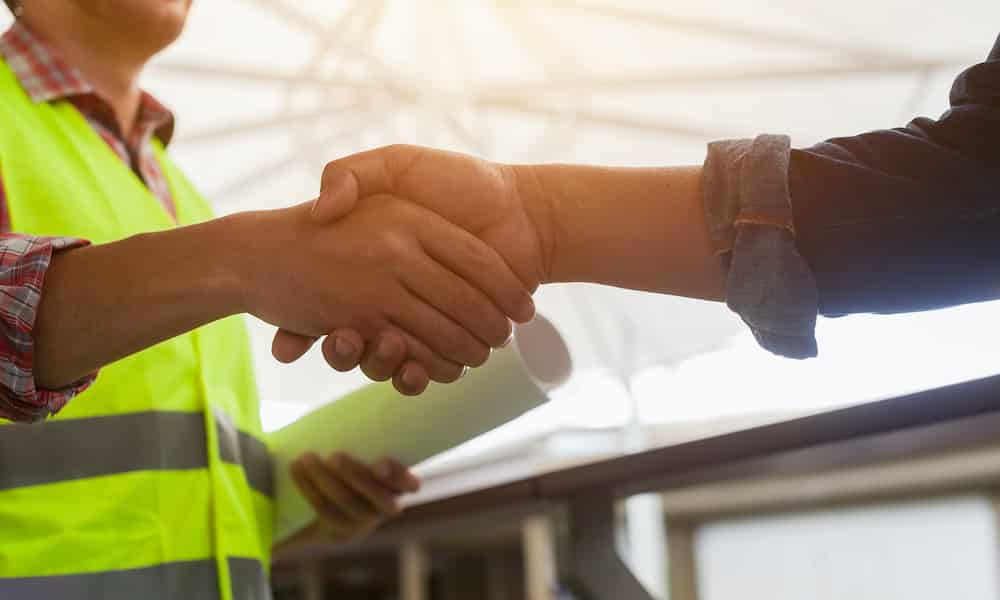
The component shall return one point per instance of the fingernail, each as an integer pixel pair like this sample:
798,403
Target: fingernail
343,348
510,338
465,371
336,184
410,378
527,311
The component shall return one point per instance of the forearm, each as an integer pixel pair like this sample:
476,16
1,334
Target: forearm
102,303
640,228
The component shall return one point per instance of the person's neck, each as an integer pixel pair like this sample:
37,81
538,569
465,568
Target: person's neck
113,70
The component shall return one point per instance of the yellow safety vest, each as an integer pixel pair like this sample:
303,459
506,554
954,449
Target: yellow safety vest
155,483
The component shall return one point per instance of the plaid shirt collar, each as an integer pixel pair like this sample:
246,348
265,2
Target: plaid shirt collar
47,78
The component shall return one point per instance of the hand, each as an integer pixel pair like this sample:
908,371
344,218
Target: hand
351,499
486,199
390,266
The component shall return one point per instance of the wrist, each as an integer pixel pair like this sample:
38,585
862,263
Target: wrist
541,207
233,263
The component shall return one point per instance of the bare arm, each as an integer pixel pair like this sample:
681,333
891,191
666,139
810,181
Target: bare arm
394,267
640,228
102,303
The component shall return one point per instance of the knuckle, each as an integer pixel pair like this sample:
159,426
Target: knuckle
480,258
476,250
394,244
399,151
393,148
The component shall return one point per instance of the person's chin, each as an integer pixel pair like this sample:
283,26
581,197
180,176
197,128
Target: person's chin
177,9
171,18
171,11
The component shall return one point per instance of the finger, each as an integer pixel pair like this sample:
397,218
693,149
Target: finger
333,521
411,380
459,300
385,356
423,320
324,510
437,368
338,194
343,349
397,477
362,480
476,262
368,172
289,347
335,492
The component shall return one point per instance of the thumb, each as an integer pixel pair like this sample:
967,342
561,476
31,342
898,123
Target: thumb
338,195
289,347
348,180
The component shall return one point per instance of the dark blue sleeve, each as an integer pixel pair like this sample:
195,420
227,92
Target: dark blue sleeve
906,219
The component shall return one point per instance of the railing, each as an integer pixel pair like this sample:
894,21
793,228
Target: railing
931,442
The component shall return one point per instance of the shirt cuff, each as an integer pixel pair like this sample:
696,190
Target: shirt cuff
24,260
748,213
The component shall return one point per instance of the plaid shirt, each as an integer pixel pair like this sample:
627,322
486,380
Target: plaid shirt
24,258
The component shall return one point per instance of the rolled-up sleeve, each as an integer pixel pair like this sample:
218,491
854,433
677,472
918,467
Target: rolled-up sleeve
24,261
749,217
888,221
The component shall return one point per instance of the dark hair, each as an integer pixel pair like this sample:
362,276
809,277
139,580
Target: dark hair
11,4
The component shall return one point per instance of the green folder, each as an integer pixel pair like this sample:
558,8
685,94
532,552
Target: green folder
377,422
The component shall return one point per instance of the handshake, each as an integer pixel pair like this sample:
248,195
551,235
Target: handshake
412,263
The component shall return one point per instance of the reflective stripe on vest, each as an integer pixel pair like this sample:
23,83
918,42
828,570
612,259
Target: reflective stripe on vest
92,447
189,580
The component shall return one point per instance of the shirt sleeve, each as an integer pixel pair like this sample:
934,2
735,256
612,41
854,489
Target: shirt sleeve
750,221
24,260
894,220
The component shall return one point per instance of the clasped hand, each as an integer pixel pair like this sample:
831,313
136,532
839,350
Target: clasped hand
420,260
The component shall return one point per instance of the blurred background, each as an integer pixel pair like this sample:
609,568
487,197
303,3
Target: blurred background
267,91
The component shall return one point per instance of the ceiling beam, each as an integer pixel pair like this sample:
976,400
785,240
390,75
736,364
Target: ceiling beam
724,30
225,195
724,76
293,16
255,75
589,117
257,125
